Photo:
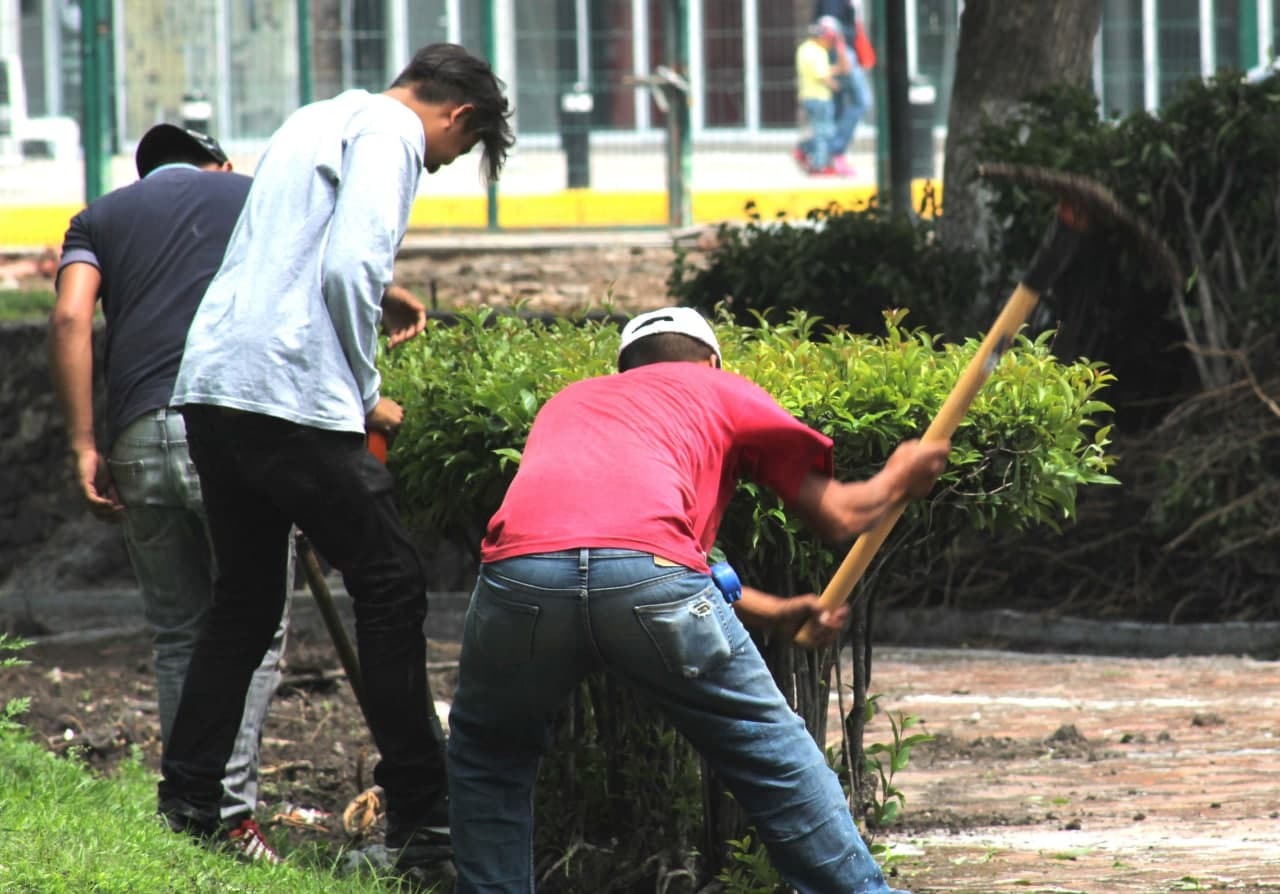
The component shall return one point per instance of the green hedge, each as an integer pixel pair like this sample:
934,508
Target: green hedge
846,266
622,788
25,304
1034,435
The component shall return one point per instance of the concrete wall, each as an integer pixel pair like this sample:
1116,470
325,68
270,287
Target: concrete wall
45,531
48,539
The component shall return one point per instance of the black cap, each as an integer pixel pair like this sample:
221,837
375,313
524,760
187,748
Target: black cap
166,143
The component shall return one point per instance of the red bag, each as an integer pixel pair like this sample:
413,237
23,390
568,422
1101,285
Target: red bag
862,47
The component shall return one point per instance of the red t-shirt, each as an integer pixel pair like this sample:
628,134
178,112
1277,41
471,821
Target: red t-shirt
648,460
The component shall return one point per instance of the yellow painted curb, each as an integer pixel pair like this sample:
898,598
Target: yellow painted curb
35,226
38,226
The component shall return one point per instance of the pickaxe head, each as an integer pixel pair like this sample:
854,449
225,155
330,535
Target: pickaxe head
1086,206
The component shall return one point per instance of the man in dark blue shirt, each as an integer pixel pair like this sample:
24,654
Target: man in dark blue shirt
149,250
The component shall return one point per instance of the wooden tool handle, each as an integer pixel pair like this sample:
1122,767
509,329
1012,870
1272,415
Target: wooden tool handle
1006,326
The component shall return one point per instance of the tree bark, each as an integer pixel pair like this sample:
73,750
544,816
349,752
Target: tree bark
1006,51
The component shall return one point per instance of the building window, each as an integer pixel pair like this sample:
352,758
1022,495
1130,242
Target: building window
539,34
1178,44
778,36
1122,71
1228,35
723,86
611,62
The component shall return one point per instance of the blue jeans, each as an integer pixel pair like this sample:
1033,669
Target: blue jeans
538,624
852,103
822,132
168,542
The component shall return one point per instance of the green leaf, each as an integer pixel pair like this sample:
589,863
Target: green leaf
888,813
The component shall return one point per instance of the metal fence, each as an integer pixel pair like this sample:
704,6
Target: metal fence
248,63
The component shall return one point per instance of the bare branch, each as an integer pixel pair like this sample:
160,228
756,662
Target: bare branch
1216,513
1212,330
1213,210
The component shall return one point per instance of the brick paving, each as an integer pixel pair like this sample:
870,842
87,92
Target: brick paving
1055,773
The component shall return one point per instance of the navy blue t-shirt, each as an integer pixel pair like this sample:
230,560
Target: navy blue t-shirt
157,244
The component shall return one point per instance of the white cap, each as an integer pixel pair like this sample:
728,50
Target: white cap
684,320
827,25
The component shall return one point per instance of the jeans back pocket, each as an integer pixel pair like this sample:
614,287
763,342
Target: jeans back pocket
502,630
688,633
141,482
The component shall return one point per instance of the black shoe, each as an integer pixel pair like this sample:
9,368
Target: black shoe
188,820
413,868
424,848
402,824
422,865
423,841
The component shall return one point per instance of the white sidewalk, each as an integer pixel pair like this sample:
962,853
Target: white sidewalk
41,182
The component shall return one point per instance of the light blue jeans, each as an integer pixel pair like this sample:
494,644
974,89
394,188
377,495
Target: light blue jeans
851,105
821,114
164,530
538,624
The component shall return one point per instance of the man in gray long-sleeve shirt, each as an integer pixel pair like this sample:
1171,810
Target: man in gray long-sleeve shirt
278,388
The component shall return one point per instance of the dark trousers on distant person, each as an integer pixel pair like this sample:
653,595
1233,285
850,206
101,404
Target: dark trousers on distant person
260,475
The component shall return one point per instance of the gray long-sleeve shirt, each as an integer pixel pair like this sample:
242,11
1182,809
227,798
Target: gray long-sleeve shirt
289,325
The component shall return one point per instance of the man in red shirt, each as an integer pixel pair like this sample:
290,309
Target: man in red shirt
597,559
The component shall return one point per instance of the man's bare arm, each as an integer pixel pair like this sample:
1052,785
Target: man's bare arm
71,363
839,510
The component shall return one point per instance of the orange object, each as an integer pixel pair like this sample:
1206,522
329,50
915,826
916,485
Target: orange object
862,47
377,444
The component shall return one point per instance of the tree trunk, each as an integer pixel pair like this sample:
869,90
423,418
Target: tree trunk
1006,51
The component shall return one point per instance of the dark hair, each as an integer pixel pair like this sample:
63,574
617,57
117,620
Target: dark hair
446,72
663,347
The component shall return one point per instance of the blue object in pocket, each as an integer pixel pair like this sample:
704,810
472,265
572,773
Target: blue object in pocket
726,581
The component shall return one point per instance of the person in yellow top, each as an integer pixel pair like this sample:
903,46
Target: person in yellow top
816,82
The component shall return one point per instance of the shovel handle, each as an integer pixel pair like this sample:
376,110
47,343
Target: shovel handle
347,654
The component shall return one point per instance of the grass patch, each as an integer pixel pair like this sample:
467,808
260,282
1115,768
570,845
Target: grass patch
25,304
65,830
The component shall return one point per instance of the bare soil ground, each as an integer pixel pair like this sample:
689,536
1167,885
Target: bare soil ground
1048,773
625,277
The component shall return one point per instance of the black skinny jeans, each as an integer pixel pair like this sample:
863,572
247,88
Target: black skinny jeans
260,475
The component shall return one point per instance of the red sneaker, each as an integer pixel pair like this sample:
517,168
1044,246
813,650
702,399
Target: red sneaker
842,167
247,841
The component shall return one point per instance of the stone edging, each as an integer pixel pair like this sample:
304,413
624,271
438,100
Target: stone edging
931,628
1018,630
